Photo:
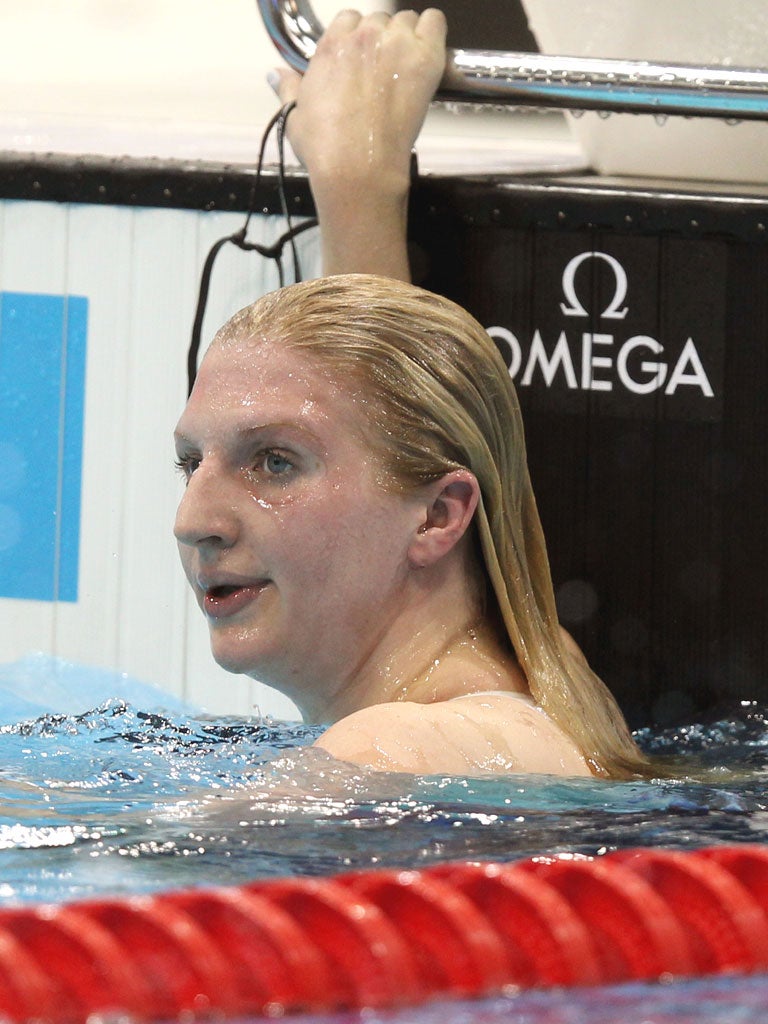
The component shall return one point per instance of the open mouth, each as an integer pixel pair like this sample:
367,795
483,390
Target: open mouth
220,592
223,601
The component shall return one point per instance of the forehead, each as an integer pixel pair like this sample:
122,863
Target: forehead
264,380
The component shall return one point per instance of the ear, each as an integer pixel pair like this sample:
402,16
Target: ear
450,505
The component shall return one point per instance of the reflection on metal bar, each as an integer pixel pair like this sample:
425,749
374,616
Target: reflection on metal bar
574,83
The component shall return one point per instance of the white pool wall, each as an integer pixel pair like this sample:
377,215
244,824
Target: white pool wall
170,78
139,270
145,77
730,34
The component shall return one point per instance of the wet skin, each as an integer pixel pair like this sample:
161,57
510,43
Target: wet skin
297,554
350,598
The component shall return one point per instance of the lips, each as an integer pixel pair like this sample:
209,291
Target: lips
224,600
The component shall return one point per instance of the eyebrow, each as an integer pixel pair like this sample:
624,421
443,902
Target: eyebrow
245,434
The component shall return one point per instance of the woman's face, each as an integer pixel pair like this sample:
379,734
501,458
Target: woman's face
297,554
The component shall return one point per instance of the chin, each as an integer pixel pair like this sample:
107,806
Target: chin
235,646
232,658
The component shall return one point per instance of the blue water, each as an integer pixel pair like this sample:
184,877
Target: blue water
113,787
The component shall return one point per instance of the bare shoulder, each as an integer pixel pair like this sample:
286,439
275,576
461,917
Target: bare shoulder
476,734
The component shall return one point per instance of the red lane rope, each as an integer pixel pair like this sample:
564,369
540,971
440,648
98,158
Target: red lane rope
388,938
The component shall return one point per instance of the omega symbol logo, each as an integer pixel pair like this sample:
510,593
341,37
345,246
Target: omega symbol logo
573,307
601,360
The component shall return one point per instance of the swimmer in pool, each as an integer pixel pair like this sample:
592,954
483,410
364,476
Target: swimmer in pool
358,523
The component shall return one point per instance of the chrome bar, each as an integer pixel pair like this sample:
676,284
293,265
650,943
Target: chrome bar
573,83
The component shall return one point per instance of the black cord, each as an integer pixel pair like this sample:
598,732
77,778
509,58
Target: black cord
281,186
202,301
239,238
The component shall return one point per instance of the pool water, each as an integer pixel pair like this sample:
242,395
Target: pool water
707,1001
141,793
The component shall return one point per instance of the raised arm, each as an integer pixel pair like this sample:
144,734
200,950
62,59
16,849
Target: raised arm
359,109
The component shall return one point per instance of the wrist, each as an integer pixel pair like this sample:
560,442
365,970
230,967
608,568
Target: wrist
340,187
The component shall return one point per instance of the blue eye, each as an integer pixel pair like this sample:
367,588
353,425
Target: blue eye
276,463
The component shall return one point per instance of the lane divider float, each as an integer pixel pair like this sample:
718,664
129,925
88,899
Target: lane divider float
388,938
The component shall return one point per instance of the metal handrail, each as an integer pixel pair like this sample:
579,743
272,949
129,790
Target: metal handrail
574,83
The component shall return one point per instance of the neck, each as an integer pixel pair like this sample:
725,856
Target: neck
437,646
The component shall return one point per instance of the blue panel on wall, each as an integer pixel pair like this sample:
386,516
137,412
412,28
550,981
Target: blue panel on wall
42,390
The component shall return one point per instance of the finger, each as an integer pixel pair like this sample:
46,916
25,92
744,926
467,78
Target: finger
406,19
433,26
345,21
285,83
339,28
378,19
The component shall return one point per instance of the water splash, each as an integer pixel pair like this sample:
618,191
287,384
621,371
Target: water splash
127,797
118,799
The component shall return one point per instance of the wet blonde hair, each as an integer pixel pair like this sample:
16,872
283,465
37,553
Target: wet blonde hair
440,398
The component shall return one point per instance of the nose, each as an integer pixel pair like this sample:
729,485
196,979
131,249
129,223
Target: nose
207,515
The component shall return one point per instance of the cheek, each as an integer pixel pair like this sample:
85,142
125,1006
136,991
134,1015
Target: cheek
324,539
323,546
345,539
372,545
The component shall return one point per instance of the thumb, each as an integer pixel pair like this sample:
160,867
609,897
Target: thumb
285,83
